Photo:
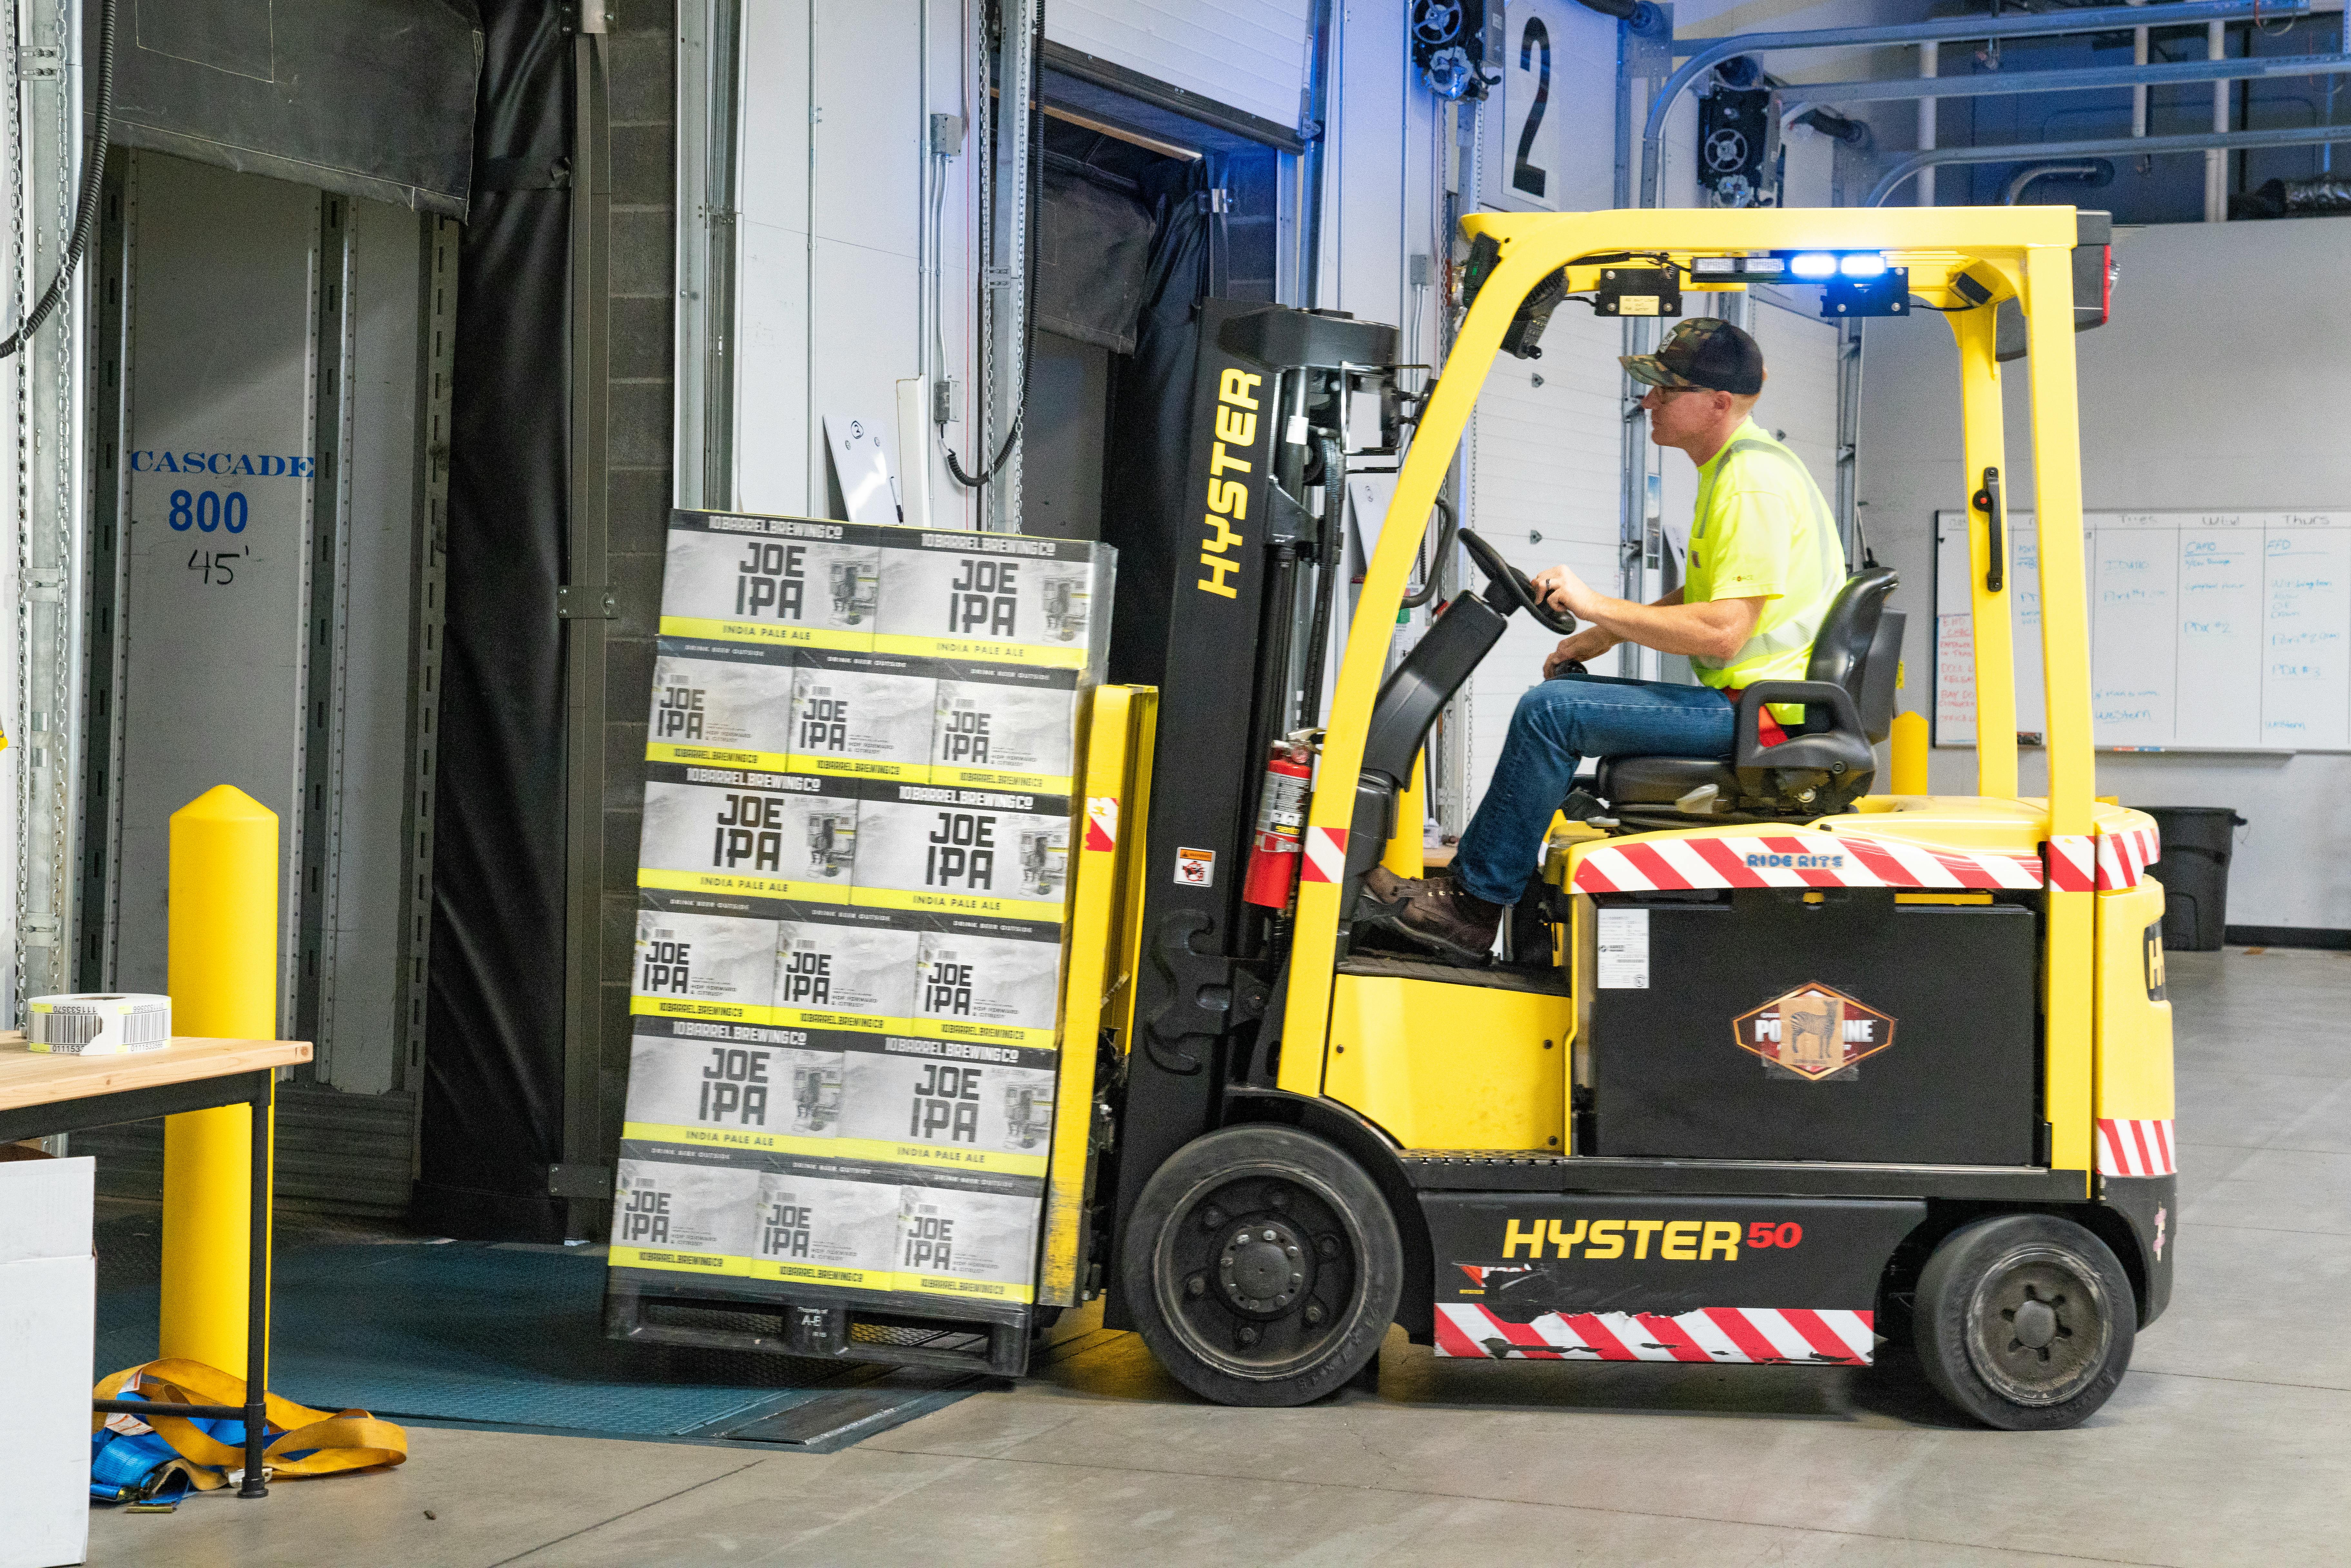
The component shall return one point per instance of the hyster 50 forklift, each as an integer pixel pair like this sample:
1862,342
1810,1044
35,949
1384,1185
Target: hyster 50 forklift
1777,1067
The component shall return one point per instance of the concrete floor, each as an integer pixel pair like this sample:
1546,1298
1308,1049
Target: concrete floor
2228,1443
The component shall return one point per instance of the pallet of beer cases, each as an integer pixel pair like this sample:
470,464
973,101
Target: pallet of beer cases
853,878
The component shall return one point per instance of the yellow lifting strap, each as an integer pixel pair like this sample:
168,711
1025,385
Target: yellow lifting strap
347,1440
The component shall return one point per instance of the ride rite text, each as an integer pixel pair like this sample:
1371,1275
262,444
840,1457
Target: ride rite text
771,580
984,599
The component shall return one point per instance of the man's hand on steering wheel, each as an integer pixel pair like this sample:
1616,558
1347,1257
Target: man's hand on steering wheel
1563,590
1581,649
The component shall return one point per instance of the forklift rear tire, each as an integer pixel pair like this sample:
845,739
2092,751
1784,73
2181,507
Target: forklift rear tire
2024,1321
1263,1267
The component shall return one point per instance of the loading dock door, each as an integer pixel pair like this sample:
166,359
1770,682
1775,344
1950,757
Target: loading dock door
260,622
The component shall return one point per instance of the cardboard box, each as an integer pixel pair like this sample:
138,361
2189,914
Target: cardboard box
728,704
790,582
866,715
1007,598
691,962
988,979
979,1107
49,1285
963,852
683,1209
827,1223
838,968
747,832
1005,726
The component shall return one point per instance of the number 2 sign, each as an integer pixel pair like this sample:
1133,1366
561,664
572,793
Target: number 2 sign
1537,153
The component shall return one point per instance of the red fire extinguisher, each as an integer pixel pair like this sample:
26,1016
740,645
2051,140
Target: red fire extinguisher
1280,823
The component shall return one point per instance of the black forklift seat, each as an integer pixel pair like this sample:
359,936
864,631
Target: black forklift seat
1828,760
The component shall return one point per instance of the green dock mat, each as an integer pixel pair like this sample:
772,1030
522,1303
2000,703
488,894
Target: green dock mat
508,1336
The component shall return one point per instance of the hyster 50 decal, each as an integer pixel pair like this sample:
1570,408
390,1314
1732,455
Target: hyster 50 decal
1676,1240
1229,498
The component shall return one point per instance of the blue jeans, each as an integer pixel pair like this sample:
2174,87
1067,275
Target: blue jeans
1557,724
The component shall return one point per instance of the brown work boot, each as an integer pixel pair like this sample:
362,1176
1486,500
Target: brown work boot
1383,887
1450,918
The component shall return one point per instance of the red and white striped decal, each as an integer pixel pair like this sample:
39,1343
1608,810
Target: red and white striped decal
1781,1336
2072,863
2136,1148
2103,862
1326,855
1795,860
2124,857
1102,823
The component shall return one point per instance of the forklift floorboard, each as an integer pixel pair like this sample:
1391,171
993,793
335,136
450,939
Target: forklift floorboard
2228,1443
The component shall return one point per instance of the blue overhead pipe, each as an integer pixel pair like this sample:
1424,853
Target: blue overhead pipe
2001,83
2106,147
1705,54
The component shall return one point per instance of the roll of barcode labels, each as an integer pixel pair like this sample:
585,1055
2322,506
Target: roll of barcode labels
98,1023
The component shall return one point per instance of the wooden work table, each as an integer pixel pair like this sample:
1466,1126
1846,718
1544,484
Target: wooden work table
32,1081
43,1095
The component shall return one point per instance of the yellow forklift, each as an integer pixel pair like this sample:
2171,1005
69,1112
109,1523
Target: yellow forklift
1776,1067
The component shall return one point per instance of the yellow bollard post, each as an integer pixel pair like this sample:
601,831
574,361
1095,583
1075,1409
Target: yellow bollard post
1910,754
1403,855
223,980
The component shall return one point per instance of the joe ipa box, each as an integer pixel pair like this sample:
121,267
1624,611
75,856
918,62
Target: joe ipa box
949,1103
724,703
963,852
991,979
969,1234
701,957
790,582
737,1087
1008,726
841,967
747,832
685,1209
828,1222
865,715
1006,598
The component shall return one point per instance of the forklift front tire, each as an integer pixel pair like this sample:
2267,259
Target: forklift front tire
2024,1321
1263,1267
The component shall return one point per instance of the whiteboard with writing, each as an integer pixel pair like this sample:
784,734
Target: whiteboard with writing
2208,630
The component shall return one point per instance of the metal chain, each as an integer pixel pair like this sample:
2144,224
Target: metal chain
60,695
17,153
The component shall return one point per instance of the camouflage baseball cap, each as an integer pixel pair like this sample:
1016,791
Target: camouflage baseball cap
1703,351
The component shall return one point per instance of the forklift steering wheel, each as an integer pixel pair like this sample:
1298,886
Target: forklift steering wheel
1500,573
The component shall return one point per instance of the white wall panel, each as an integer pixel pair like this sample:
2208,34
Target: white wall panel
1544,482
1250,54
832,169
2175,414
1799,401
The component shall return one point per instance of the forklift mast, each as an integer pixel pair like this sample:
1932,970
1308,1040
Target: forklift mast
1253,577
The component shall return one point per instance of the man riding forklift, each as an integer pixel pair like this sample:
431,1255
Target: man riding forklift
1764,564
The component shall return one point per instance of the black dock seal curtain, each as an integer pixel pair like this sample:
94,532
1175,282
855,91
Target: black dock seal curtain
493,1110
372,99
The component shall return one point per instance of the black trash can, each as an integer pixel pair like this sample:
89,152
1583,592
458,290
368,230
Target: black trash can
2194,871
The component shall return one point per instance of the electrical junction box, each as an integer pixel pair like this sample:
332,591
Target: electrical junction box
1637,291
